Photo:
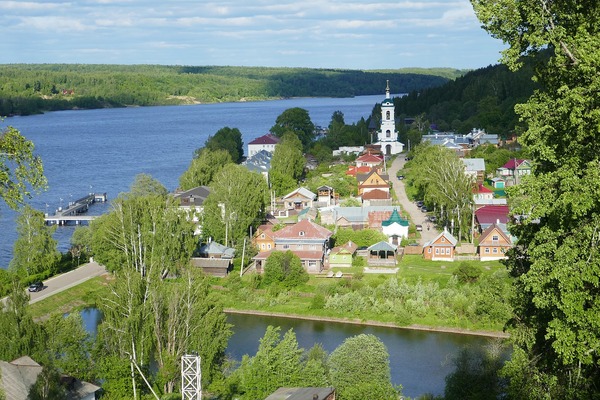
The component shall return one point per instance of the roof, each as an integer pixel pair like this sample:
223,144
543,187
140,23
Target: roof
354,170
304,229
375,194
302,254
349,247
197,193
369,158
474,164
306,393
491,214
382,246
482,189
451,239
395,218
513,163
494,227
302,192
269,138
217,248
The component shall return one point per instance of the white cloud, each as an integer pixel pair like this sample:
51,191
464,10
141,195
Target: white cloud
28,5
54,23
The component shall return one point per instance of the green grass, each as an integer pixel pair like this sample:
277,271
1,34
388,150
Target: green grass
86,294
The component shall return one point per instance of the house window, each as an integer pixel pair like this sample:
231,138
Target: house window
495,250
448,251
443,240
487,250
429,250
312,263
286,246
263,246
269,246
495,238
437,251
301,233
262,236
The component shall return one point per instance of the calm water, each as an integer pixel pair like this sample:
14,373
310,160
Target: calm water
103,150
419,361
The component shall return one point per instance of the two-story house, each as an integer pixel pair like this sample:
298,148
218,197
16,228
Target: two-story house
306,239
374,180
493,243
441,248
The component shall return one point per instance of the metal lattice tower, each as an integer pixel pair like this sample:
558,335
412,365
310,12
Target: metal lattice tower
191,384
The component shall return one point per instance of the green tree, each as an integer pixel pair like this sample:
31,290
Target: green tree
284,268
287,164
297,121
229,139
146,185
68,345
360,369
21,171
238,200
556,265
19,334
475,376
81,242
203,168
145,233
48,385
277,363
35,250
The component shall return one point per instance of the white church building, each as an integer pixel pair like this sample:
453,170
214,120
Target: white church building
387,135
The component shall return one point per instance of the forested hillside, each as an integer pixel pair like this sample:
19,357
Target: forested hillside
34,88
484,98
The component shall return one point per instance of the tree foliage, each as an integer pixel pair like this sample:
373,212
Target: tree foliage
238,200
556,265
203,168
360,369
21,171
146,185
35,250
284,268
439,177
297,121
287,164
228,139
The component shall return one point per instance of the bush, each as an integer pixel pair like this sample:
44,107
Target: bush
317,302
284,268
467,273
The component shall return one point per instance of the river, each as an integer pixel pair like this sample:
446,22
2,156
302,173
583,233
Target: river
419,360
103,150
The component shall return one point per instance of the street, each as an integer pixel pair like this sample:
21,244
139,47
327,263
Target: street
415,213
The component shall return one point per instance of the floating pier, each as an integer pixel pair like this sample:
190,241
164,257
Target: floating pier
74,212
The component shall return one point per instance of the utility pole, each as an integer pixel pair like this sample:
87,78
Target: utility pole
243,253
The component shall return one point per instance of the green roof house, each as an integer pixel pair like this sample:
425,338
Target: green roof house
395,228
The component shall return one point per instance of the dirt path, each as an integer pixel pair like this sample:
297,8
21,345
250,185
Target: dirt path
416,215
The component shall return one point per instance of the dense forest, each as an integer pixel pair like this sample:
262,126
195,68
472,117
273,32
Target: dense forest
34,88
483,98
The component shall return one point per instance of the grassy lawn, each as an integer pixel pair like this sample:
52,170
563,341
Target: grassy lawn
86,294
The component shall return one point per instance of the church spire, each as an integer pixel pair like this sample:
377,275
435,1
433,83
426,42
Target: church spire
387,89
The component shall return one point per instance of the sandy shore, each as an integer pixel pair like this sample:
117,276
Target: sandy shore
356,321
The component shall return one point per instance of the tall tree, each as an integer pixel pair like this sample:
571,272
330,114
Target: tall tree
35,250
21,171
203,168
276,364
297,121
287,164
229,139
284,268
360,369
146,185
555,328
238,200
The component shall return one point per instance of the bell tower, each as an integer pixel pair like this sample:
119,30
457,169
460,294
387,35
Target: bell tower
387,135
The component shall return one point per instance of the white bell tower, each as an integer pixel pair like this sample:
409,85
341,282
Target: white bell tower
387,135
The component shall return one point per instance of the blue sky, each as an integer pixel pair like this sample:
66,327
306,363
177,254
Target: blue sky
365,34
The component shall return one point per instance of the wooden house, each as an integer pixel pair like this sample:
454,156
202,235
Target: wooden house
441,248
299,199
372,181
493,243
341,256
263,238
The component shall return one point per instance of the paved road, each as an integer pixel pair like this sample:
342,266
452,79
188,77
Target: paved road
67,280
416,215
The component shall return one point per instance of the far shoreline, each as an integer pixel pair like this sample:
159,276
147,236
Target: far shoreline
356,321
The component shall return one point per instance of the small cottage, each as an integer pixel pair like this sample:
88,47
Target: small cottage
441,248
341,256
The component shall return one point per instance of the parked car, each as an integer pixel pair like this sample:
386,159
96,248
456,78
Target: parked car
400,177
432,218
419,204
419,228
424,209
36,286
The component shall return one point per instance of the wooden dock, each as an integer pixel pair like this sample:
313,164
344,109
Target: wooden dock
74,212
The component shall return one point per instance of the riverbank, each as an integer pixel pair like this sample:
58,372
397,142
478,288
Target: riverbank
357,321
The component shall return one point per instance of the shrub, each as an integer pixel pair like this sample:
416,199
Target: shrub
284,268
467,273
317,302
